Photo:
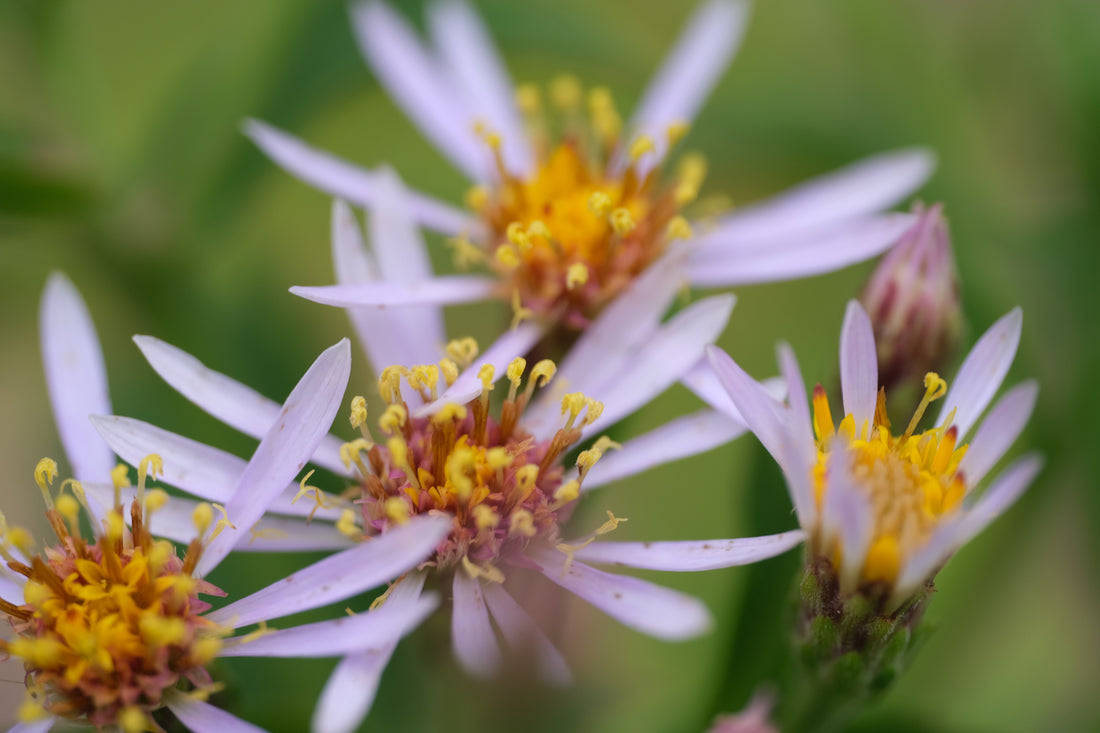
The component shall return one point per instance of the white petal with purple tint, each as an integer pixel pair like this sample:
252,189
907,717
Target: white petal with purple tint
999,431
686,436
659,612
340,576
76,377
982,372
202,717
294,436
420,85
443,290
523,634
472,636
846,515
795,389
858,368
235,404
692,555
348,635
37,726
343,180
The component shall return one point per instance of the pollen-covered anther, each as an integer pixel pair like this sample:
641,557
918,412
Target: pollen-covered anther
463,351
678,228
642,144
622,221
576,275
599,204
676,131
397,509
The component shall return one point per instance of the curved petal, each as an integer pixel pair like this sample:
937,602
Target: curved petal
846,516
680,438
702,380
443,290
226,399
348,635
293,438
522,633
342,575
692,555
11,589
202,717
858,367
472,636
860,189
798,255
659,612
353,685
982,372
468,52
701,54
795,390
418,83
999,431
76,377
663,359
343,180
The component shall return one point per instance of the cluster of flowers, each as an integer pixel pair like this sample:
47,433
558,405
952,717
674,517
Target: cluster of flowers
464,482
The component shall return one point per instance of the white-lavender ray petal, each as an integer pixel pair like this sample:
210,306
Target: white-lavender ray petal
794,389
353,183
402,258
858,368
692,555
689,73
76,377
235,404
11,590
799,255
523,634
467,50
36,726
998,431
925,561
860,189
663,359
514,342
351,688
982,372
442,290
418,83
198,469
1009,486
651,609
846,515
702,380
337,637
379,332
342,575
472,636
293,438
202,717
683,437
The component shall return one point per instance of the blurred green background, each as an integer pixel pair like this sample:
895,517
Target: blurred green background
121,162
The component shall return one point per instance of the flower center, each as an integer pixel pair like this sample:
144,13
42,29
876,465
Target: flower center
911,481
504,487
109,625
591,217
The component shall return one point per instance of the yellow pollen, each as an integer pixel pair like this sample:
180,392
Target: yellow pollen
527,477
477,197
576,276
449,370
599,204
485,374
515,372
622,221
543,372
120,475
642,144
485,517
538,228
676,132
393,419
466,254
358,411
155,500
463,351
498,458
519,238
349,452
678,228
567,492
389,384
44,474
522,523
507,256
133,720
347,524
397,510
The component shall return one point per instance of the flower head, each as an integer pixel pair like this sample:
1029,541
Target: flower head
570,204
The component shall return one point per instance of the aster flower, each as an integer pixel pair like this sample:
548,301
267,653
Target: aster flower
569,205
494,470
109,628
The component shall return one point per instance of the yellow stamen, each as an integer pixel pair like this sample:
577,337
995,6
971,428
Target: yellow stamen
642,144
463,351
576,276
44,474
678,228
622,221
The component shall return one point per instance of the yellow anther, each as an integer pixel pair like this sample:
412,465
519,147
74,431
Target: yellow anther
425,376
20,539
397,509
528,99
520,313
389,384
155,500
604,444
642,144
399,457
477,198
44,474
205,649
515,371
69,508
450,412
538,228
571,405
522,522
349,452
460,463
622,221
498,457
675,132
463,351
576,275
358,411
120,475
133,720
587,459
114,526
30,710
485,374
567,492
678,228
565,92
595,409
823,416
150,466
485,517
934,388
543,372
449,370
161,552
599,204
466,253
347,524
527,477
162,631
507,256
693,169
611,524
393,419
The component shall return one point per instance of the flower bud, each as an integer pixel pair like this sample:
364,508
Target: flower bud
912,299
